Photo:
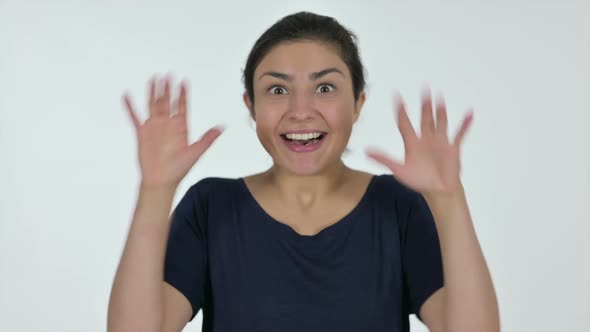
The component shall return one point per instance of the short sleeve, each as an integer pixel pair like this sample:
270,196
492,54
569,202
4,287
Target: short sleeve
186,257
423,271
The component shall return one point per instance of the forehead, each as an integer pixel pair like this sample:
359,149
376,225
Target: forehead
301,57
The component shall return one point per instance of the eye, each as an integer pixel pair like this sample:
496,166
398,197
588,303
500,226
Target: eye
325,88
277,90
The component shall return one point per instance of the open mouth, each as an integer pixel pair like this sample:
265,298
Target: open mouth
304,139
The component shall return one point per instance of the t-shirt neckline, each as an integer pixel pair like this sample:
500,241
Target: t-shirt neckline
290,233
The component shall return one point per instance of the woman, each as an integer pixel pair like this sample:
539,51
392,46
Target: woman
309,244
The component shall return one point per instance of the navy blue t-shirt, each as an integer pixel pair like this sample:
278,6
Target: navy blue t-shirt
249,272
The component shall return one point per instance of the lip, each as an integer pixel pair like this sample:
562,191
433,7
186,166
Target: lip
303,148
303,131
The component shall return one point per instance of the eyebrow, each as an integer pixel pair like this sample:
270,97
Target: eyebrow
312,76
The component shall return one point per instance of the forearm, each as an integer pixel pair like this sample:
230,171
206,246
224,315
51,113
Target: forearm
470,299
136,297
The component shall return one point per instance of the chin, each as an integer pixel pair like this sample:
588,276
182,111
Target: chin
310,163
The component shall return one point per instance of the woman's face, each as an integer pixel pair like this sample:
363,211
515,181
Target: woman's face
304,106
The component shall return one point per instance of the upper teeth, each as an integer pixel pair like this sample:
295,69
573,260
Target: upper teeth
307,136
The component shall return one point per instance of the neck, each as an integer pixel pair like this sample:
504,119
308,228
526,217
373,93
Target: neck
307,188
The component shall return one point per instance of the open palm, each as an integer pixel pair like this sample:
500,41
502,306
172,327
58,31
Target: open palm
165,155
432,163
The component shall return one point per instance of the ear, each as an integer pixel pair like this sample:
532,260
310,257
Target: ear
358,105
248,103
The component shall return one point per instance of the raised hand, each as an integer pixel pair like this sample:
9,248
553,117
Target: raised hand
432,163
165,156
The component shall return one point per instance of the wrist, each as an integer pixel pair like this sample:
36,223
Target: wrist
455,197
157,187
149,192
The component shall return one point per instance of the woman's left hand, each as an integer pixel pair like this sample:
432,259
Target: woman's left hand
432,163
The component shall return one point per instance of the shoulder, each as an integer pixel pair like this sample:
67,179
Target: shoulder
209,190
209,185
206,196
397,197
389,186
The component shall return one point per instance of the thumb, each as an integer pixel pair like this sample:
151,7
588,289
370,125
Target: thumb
394,165
196,150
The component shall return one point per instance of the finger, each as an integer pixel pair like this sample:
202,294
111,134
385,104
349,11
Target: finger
174,109
427,122
441,118
403,122
199,147
162,104
152,92
167,86
463,130
131,111
395,166
182,99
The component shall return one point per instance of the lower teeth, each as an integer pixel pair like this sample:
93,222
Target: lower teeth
312,141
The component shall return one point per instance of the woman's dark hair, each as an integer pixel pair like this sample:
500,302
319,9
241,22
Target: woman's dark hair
307,26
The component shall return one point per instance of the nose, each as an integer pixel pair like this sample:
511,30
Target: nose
301,107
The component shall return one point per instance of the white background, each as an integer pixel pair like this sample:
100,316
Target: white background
68,163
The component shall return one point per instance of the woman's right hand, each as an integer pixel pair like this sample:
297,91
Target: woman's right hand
165,156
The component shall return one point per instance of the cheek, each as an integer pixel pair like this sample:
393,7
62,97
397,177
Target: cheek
340,116
268,116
